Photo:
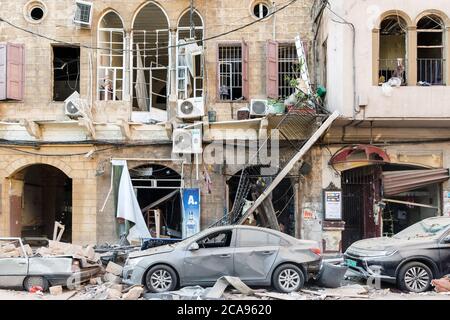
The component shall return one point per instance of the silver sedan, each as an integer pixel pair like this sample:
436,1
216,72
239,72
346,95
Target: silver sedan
260,257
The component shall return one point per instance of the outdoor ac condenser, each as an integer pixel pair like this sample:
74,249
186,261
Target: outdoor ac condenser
72,105
259,107
187,141
191,108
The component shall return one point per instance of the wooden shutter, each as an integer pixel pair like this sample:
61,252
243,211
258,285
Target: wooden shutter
245,71
3,48
272,69
15,71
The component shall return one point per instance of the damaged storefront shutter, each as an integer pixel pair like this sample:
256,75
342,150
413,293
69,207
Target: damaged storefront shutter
272,69
397,182
245,71
15,71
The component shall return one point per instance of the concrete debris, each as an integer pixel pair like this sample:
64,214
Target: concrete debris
56,290
216,292
133,294
114,294
111,278
352,291
442,285
281,296
114,268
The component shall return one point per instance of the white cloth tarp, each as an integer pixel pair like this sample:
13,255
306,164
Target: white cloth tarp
128,206
141,86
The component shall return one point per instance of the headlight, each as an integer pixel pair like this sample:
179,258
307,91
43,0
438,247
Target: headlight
132,262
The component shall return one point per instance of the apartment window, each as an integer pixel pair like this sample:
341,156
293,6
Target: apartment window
66,71
392,55
190,60
288,69
261,10
233,72
111,59
12,71
430,51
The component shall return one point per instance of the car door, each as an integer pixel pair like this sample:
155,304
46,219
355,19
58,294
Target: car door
212,260
444,253
255,254
13,270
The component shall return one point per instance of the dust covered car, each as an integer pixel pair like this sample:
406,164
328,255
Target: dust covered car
22,268
257,256
411,259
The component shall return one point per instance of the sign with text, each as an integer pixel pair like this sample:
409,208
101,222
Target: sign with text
333,205
191,212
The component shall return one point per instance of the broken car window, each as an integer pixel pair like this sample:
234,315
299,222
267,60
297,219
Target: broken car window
253,238
425,229
216,240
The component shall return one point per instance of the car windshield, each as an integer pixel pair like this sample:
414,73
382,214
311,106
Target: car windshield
430,228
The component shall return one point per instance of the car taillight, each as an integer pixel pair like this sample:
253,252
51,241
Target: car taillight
316,251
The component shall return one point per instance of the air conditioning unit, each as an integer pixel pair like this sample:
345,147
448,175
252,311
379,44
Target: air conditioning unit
191,108
187,141
83,13
72,105
259,107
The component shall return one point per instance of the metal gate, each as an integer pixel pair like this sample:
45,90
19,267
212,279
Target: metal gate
361,189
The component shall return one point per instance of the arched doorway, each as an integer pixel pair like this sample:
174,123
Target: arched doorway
157,189
42,197
282,198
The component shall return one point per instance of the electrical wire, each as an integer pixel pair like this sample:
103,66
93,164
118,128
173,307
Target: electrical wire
153,49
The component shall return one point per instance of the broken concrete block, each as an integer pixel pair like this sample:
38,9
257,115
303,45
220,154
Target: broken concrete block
89,253
117,286
134,293
109,277
7,248
56,290
114,268
28,249
114,294
43,251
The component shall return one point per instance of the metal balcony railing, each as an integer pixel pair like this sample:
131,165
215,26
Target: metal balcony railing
389,68
430,71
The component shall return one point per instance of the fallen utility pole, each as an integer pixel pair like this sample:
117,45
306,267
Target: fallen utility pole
306,147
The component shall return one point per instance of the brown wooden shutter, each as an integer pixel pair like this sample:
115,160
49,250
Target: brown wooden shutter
3,49
272,69
245,71
15,71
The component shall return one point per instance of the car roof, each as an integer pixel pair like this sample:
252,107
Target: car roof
243,227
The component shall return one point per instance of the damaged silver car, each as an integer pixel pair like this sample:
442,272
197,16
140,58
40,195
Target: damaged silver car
21,268
260,257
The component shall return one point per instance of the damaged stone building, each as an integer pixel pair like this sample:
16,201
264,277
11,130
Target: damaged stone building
385,65
86,84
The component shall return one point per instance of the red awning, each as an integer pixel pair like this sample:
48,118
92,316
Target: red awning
359,155
396,182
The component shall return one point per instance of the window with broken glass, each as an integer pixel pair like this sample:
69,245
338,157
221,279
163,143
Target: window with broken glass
230,72
110,77
288,69
430,51
190,59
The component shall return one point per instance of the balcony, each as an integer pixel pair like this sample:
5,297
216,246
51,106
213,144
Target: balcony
430,72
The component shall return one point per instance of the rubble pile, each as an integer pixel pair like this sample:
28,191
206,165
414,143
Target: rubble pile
442,285
10,250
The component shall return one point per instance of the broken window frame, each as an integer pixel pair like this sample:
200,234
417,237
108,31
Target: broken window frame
284,87
239,73
183,71
78,81
431,65
110,53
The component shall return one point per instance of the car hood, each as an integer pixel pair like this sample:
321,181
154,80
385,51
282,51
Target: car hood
151,251
381,244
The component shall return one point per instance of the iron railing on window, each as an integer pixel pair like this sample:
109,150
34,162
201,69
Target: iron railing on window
389,68
430,71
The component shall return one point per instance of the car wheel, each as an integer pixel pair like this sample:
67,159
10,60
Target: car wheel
161,278
288,278
30,282
415,277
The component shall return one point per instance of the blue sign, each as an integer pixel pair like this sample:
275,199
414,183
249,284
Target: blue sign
191,212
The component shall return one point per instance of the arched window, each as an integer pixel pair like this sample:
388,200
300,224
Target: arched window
393,49
111,59
430,50
150,44
190,59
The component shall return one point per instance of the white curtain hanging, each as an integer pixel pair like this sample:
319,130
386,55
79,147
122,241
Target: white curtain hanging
141,87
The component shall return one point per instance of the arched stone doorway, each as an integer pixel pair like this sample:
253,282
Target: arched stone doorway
40,195
157,189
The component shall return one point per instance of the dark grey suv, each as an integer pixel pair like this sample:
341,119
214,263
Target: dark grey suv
411,258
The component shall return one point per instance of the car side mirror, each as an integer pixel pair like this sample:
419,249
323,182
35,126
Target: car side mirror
447,240
194,247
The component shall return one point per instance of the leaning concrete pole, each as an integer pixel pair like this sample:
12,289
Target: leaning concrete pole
306,147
